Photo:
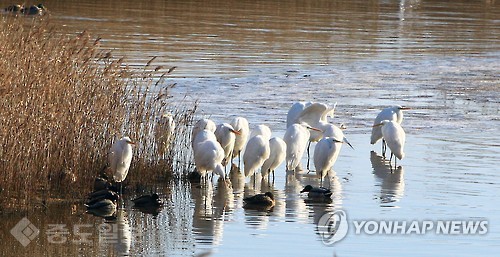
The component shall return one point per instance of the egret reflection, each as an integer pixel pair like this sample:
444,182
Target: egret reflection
391,181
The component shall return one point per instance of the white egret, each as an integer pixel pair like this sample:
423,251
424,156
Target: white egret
256,152
294,112
262,130
226,136
278,154
336,132
240,124
208,156
120,158
201,125
316,115
326,153
165,132
201,136
390,113
296,138
395,137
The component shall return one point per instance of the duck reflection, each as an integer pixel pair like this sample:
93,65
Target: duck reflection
390,180
318,206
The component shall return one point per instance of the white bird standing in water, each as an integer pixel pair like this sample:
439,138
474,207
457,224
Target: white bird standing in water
226,136
257,150
208,155
278,154
316,115
326,153
394,113
240,124
120,158
395,137
296,138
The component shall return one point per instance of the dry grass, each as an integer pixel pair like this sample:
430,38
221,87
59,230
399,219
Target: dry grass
63,102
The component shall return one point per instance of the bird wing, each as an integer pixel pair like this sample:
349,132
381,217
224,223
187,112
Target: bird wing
313,113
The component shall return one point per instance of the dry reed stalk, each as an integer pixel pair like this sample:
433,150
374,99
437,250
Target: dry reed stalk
63,101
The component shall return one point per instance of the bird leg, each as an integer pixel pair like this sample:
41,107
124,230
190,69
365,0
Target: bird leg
384,147
239,158
390,160
273,176
308,156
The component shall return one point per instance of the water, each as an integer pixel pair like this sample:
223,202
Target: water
255,59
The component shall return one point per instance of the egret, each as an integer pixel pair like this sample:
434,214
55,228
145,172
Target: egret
208,156
390,113
296,138
262,130
316,115
120,158
165,131
278,154
240,124
326,153
256,152
295,111
336,132
201,125
203,135
226,136
395,137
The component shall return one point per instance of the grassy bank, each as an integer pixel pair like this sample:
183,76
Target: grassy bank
64,101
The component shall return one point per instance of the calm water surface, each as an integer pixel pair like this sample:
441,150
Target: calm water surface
255,59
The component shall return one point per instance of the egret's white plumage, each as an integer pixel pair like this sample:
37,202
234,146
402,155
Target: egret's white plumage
202,136
256,152
296,138
316,115
120,158
336,132
294,112
201,125
262,130
240,124
278,154
164,132
394,136
226,136
326,153
390,113
208,156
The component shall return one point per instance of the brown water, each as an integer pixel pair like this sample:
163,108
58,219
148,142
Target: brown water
255,59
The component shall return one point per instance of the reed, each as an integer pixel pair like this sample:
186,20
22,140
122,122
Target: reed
64,101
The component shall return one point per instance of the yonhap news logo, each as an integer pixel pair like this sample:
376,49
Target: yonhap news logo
334,226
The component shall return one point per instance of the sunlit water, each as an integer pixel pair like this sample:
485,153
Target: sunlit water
255,59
